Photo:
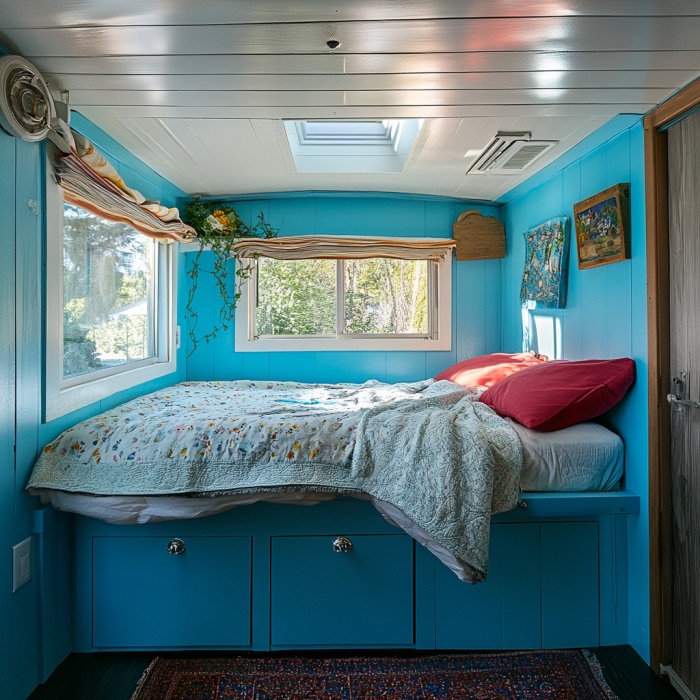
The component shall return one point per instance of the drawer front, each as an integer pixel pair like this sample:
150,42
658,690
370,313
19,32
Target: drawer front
145,596
570,585
541,591
359,597
504,611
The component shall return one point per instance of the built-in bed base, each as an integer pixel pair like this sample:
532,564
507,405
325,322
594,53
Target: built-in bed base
266,577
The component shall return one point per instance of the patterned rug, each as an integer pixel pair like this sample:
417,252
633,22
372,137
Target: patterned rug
550,675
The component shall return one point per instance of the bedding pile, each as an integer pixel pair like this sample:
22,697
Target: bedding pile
429,451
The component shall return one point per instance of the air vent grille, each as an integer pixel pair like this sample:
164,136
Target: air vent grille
509,153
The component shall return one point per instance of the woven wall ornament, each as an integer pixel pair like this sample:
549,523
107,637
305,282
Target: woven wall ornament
478,237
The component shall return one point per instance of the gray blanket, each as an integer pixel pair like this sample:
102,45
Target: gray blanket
430,449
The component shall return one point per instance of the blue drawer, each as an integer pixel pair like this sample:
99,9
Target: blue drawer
541,591
143,596
363,597
504,611
570,585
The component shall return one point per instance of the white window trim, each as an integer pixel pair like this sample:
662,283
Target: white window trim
245,342
63,396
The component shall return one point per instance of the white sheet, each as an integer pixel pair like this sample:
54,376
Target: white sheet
584,457
132,510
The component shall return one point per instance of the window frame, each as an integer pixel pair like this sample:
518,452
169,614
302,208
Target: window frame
439,295
62,396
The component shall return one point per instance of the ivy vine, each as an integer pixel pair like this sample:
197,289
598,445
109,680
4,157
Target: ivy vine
218,229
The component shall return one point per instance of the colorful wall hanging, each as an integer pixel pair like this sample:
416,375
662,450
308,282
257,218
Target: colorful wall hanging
546,265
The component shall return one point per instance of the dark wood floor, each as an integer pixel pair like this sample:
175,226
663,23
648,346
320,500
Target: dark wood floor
114,676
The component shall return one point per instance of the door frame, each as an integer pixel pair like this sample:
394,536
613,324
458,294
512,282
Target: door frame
658,325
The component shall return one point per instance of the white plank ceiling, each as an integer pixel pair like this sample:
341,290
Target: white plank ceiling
198,90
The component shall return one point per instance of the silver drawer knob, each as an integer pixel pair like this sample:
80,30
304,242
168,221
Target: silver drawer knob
342,544
176,546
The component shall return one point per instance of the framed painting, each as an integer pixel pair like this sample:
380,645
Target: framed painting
602,227
546,265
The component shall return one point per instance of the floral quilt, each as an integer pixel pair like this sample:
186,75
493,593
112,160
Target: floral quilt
431,449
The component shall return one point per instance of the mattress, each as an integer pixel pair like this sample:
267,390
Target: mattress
583,457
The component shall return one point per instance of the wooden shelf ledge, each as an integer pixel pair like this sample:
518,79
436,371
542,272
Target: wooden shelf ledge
542,504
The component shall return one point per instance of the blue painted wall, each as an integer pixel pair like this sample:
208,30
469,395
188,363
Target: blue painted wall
605,315
475,300
36,620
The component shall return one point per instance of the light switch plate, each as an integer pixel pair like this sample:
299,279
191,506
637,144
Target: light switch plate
21,564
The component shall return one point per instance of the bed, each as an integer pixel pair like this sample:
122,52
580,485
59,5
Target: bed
431,457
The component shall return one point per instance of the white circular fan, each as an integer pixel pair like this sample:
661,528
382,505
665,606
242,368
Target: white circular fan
26,105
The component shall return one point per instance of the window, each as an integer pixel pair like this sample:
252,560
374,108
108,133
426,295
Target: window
109,308
365,304
357,146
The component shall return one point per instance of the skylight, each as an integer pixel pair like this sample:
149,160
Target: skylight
357,146
337,132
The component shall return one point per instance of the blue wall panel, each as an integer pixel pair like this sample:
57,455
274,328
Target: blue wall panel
575,329
605,317
476,297
365,216
202,358
293,217
254,365
632,415
8,603
36,619
350,366
291,366
29,221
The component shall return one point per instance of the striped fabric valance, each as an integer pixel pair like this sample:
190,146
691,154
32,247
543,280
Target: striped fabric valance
344,247
91,182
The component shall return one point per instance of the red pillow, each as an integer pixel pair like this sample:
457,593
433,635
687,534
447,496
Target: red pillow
486,370
560,393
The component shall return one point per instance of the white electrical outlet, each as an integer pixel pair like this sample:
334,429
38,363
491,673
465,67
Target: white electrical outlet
21,563
177,337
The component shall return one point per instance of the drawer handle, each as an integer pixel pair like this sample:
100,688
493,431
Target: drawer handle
176,546
342,544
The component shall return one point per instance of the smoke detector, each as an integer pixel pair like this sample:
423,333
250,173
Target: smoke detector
509,153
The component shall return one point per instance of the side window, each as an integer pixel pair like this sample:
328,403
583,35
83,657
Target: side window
363,304
109,297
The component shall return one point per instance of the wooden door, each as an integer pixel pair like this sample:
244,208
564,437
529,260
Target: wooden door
684,393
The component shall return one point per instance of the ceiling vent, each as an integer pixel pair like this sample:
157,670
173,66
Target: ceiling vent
509,153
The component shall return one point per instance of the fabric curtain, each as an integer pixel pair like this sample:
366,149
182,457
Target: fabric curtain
91,182
344,247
